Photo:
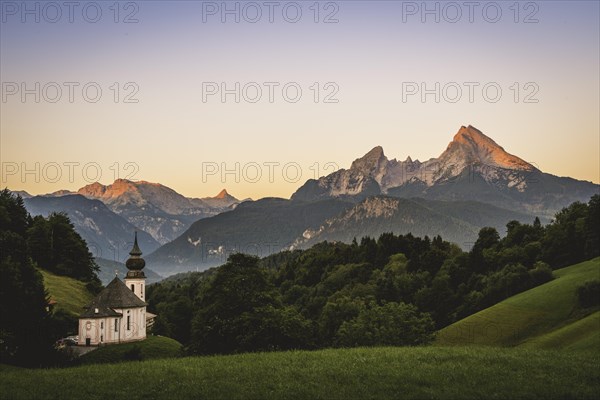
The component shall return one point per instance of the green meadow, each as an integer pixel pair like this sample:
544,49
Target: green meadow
359,373
151,348
70,294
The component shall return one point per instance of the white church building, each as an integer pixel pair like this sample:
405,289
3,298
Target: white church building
118,313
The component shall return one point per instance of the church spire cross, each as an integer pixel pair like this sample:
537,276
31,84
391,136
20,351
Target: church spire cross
135,261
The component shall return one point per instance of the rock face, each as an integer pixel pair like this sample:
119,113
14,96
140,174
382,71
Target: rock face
124,193
471,146
473,167
458,222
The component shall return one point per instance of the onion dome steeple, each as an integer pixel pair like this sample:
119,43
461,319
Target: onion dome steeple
135,263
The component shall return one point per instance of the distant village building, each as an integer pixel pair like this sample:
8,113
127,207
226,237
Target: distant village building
118,313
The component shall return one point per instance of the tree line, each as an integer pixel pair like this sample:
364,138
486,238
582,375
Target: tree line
393,290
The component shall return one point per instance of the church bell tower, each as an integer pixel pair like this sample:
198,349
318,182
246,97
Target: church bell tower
135,278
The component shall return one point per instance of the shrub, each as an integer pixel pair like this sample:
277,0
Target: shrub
541,273
133,354
393,324
588,294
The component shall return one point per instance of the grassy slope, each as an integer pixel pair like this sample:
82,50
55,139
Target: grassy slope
70,293
539,317
362,373
583,334
151,348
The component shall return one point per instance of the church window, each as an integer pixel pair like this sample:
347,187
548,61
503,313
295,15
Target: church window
116,325
128,322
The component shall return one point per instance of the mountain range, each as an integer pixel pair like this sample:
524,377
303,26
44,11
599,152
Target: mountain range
473,167
107,216
472,184
155,208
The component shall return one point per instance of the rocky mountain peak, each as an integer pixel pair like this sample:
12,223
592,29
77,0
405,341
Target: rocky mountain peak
95,189
471,146
221,200
375,152
222,194
372,163
473,137
117,189
121,186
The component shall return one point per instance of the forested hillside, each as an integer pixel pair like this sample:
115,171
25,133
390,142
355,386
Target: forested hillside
395,290
28,327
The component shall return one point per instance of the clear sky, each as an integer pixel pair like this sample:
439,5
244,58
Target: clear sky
374,61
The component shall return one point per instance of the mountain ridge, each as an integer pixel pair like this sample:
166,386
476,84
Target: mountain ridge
106,233
457,222
261,227
153,207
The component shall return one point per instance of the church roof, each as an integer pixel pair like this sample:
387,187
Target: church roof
102,312
114,295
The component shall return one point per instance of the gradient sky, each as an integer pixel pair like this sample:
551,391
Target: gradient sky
172,136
